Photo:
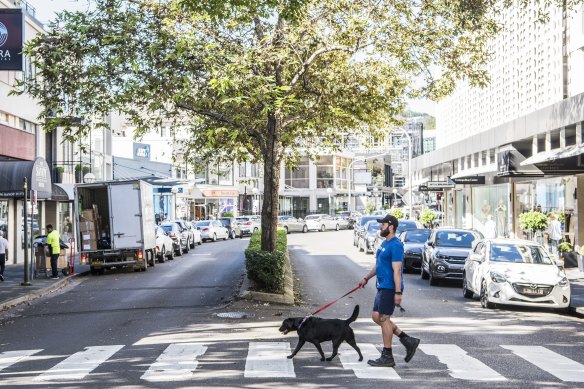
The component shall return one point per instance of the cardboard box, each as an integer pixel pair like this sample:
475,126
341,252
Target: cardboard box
61,262
89,245
89,235
86,226
87,214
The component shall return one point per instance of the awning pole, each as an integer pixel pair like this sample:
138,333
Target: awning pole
26,270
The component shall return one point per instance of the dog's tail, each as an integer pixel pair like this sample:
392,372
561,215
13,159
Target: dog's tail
354,315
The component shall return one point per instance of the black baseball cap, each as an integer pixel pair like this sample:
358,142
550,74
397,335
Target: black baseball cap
389,219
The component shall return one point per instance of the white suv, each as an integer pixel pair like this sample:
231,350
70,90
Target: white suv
321,222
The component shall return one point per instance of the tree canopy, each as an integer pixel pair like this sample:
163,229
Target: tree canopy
256,80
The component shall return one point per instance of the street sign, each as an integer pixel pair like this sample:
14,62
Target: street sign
439,184
476,180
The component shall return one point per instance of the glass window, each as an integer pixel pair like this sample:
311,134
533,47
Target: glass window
298,176
519,253
491,205
454,239
4,217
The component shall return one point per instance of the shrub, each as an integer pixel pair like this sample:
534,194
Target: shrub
267,269
533,221
397,213
227,214
561,216
60,169
427,217
369,208
565,247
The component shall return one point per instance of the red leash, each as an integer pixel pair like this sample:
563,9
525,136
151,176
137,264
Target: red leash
328,305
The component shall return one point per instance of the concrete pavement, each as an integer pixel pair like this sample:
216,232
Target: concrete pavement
576,278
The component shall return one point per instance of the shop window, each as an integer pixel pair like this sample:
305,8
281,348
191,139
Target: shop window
4,217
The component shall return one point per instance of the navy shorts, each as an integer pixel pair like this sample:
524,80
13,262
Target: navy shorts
384,301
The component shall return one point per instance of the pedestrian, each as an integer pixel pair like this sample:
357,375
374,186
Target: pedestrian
555,232
3,254
54,249
388,269
490,228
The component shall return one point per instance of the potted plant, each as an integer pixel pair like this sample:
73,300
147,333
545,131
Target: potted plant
397,213
568,254
59,170
427,218
78,173
533,222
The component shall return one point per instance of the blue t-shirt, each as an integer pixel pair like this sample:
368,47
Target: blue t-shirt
389,251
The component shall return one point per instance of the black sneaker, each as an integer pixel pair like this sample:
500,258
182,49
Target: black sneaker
385,360
54,278
1,278
411,345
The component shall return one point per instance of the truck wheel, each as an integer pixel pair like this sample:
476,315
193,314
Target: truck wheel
151,260
94,271
101,271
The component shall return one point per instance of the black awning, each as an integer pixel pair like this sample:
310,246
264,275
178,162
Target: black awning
60,194
37,173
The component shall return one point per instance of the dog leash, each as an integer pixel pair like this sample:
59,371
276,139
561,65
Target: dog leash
327,305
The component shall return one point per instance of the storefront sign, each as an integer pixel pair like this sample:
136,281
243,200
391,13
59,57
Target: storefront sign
141,151
477,180
426,188
220,193
37,173
11,38
439,184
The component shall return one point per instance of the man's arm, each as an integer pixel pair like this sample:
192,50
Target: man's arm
369,275
397,275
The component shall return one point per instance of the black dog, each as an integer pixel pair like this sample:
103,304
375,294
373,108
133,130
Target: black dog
316,330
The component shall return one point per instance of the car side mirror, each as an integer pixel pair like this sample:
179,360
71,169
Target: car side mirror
430,243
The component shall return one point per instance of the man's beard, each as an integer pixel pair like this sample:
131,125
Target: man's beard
384,233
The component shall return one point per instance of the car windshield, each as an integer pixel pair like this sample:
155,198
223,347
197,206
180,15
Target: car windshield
203,223
365,219
242,219
406,225
166,227
344,214
417,236
519,253
312,217
374,226
460,239
225,222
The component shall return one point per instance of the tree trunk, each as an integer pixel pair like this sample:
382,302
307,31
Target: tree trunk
272,159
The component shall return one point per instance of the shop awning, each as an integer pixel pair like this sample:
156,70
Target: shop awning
544,156
37,173
62,192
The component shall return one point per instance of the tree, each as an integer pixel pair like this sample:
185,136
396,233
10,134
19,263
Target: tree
252,79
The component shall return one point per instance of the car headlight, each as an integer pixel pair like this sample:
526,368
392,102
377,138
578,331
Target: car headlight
563,282
496,277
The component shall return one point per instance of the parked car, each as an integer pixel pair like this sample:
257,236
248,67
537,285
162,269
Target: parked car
249,224
445,253
189,231
212,230
361,224
348,216
232,226
343,223
292,224
515,272
404,224
196,233
367,236
164,245
321,222
179,237
414,241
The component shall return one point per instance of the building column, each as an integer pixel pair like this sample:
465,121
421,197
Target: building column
579,133
579,211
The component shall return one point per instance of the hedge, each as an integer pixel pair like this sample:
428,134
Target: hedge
267,269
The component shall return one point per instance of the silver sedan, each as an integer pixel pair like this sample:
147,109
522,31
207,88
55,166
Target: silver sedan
212,230
291,224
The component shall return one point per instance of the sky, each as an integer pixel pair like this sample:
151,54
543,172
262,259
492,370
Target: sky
46,10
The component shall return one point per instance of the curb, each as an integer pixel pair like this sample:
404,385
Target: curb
577,311
287,298
39,293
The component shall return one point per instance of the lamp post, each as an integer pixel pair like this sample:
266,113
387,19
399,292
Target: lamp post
351,166
329,191
255,208
174,191
375,191
409,167
26,281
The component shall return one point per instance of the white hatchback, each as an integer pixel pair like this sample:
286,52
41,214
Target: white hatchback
321,222
515,272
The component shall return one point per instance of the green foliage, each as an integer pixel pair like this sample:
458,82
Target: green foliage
386,206
267,269
78,168
533,221
60,169
427,217
561,216
85,169
227,214
397,213
369,208
565,247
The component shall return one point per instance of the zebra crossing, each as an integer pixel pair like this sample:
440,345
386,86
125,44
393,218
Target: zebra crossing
267,359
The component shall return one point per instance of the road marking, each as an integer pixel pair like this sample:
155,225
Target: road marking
177,363
350,360
9,358
268,360
80,364
552,362
461,365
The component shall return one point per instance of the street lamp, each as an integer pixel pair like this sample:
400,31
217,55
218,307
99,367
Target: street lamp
409,166
351,166
375,190
174,191
89,178
329,191
255,192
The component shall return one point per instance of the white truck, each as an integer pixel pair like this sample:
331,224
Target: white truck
115,222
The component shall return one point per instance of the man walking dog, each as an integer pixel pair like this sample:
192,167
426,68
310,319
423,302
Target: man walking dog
390,285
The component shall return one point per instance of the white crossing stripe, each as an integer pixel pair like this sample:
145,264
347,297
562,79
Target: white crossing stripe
350,361
80,364
9,358
460,364
552,362
177,363
268,360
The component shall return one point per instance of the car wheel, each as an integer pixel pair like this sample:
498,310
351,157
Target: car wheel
186,249
423,274
171,255
433,280
360,246
304,229
322,228
192,244
467,294
485,303
178,252
337,227
286,229
232,234
161,255
200,242
214,237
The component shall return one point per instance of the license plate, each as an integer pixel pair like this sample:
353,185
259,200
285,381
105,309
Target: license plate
538,291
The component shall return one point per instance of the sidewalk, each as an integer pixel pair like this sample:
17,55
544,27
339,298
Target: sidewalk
12,293
577,288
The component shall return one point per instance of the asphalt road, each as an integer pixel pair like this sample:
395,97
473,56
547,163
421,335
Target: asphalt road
160,329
